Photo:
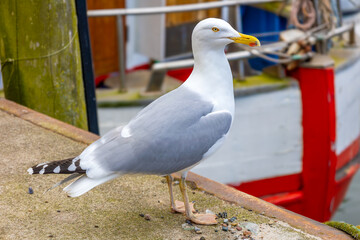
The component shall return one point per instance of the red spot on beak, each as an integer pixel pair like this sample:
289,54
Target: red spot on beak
253,44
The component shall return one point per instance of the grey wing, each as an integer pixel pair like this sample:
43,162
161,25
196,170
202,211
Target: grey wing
167,150
171,134
184,148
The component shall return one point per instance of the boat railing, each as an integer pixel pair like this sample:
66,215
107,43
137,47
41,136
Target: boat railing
323,38
172,9
119,13
159,69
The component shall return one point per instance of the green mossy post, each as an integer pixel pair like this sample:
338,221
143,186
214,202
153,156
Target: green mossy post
40,58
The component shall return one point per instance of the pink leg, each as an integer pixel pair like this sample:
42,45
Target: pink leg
176,206
204,219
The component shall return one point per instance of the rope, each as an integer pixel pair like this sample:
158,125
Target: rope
283,57
11,60
328,15
307,9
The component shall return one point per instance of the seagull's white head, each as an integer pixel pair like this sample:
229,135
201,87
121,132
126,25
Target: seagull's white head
215,32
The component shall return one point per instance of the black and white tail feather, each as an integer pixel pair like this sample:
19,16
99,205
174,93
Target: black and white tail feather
70,166
66,166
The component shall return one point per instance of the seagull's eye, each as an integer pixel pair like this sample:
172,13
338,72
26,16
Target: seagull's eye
215,29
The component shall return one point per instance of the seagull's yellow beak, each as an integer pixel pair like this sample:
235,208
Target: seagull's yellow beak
246,39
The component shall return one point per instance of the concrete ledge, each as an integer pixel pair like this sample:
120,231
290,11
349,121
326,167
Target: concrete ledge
140,189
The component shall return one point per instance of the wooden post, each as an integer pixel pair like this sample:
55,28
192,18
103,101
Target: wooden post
40,58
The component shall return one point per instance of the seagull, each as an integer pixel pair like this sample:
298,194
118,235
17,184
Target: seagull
172,134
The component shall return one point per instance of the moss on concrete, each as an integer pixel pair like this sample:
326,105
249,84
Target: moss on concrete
344,56
115,98
350,229
109,93
261,80
338,61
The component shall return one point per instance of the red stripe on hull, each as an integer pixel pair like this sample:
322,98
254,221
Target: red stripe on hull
180,74
348,154
286,199
342,186
271,186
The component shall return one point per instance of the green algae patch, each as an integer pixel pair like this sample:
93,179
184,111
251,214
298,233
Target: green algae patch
116,98
338,61
343,57
342,54
260,84
115,93
261,80
350,229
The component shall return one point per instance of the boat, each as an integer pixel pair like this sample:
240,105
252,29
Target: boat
296,146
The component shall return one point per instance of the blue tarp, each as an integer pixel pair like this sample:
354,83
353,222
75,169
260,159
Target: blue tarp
257,21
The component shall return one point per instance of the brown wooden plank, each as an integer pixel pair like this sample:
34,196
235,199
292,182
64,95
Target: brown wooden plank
103,37
175,19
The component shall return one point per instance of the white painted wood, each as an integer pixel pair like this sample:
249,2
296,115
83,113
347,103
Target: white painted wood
150,31
347,100
133,58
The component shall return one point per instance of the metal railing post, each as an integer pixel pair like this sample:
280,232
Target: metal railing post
238,25
352,36
121,51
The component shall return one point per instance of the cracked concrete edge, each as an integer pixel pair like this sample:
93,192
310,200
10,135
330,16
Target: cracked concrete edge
219,190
